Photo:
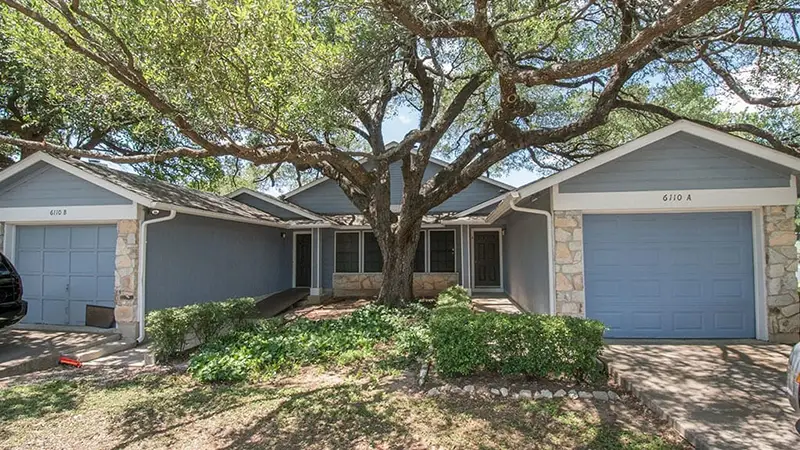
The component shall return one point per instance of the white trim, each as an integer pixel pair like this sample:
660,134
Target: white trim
500,233
480,206
760,274
686,199
10,242
69,214
318,260
275,201
294,257
140,286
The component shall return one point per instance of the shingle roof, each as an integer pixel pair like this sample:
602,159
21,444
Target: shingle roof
170,194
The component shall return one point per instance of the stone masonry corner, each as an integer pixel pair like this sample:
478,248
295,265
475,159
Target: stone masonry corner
783,305
570,298
126,278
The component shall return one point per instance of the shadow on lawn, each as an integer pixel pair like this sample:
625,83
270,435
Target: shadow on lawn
38,400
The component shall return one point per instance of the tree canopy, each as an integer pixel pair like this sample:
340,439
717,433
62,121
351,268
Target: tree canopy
309,84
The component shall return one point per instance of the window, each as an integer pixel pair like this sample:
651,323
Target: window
347,252
373,260
419,257
442,251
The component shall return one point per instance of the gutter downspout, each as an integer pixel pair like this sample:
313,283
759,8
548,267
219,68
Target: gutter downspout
143,267
515,197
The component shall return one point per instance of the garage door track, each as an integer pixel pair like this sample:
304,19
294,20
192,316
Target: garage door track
717,395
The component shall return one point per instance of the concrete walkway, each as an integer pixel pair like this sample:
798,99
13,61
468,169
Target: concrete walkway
717,395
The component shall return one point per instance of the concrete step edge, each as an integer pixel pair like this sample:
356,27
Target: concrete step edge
101,350
94,343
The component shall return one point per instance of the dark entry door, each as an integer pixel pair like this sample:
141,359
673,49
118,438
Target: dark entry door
487,258
302,260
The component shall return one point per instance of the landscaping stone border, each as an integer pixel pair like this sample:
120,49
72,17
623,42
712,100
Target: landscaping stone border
523,394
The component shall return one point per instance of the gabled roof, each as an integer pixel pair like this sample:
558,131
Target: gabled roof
277,202
685,126
438,162
149,192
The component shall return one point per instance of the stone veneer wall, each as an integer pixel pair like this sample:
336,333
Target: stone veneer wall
783,306
570,297
126,277
368,284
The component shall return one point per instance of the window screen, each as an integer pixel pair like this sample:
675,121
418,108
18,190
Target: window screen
443,251
347,252
373,261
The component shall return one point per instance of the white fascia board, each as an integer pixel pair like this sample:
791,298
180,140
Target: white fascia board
275,201
216,215
69,214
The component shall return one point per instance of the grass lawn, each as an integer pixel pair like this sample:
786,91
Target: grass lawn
106,408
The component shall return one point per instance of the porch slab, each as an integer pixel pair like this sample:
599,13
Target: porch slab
495,303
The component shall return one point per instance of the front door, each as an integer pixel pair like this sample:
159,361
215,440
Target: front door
486,246
302,260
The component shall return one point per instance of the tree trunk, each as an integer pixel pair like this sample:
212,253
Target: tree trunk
398,249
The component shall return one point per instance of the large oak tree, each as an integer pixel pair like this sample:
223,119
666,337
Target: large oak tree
311,83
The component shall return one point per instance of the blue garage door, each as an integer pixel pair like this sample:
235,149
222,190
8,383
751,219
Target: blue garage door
671,275
65,268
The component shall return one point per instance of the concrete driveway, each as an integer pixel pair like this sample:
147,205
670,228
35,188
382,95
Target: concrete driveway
717,395
24,350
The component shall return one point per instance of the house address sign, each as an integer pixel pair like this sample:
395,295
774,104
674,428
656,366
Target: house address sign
58,212
676,197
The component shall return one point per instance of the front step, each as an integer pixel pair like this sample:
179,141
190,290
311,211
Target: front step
105,348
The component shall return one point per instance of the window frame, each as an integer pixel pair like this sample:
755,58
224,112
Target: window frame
428,250
360,244
427,244
362,253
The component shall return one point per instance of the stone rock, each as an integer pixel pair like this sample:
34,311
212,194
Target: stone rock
494,391
572,394
577,282
504,392
584,394
565,222
445,388
613,396
560,393
515,396
789,311
563,235
433,392
469,389
563,283
778,238
775,271
526,394
456,390
572,268
600,395
546,394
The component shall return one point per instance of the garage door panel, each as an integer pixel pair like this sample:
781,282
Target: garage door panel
65,268
30,237
687,275
83,262
54,311
55,262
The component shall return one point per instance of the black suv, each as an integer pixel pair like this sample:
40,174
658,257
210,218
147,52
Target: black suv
12,307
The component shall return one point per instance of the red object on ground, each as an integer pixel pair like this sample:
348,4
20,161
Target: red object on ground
69,361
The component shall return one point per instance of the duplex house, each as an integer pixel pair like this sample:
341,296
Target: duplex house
686,232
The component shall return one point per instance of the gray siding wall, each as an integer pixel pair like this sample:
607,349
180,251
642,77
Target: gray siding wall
267,207
527,266
328,198
194,259
680,161
45,185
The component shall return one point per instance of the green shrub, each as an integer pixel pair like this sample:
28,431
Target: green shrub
453,296
169,330
537,345
272,346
